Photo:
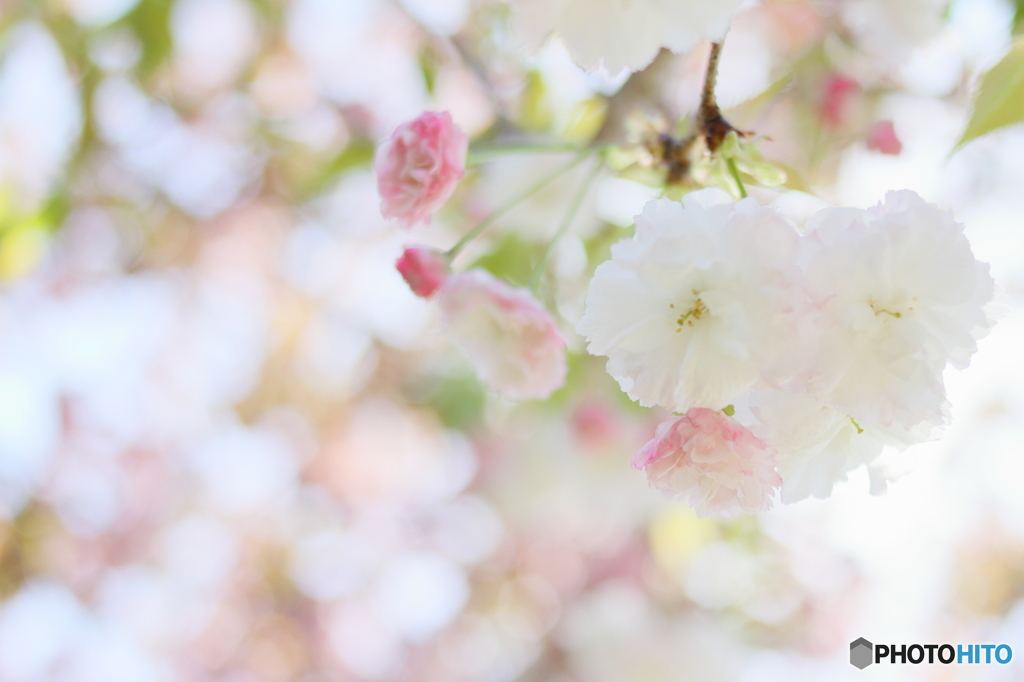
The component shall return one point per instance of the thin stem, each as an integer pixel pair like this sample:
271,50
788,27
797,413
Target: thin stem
574,208
508,206
735,173
713,125
707,95
478,156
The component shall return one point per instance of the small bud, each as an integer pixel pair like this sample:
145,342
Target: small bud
423,269
882,138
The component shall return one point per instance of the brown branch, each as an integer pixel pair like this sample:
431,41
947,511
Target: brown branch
713,125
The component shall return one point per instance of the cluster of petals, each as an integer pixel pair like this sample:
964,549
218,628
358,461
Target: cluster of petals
833,342
510,339
700,305
899,295
621,35
419,166
715,464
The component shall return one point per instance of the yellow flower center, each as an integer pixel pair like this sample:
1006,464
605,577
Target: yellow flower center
889,309
696,311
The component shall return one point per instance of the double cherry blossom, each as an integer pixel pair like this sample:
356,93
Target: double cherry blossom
419,166
834,340
511,340
719,466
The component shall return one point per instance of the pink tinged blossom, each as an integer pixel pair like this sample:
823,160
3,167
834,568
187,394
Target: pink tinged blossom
714,463
419,166
511,341
882,138
423,269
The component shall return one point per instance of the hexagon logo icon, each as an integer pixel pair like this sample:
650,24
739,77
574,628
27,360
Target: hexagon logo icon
861,651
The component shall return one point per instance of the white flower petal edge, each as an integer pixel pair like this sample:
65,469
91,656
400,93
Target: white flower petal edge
817,445
701,305
621,34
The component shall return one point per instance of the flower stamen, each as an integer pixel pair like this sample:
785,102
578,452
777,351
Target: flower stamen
879,311
696,312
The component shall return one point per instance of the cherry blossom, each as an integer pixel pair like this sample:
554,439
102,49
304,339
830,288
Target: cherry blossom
702,304
419,166
511,341
901,296
712,462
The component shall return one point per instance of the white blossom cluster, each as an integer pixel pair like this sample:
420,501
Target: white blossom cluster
830,344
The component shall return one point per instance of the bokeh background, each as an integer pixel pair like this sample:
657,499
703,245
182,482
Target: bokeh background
234,447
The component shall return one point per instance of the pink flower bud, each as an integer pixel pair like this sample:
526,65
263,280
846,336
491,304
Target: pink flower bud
882,138
836,94
511,341
419,166
423,269
711,461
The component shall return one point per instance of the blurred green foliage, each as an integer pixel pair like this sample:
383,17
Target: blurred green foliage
150,19
512,259
999,101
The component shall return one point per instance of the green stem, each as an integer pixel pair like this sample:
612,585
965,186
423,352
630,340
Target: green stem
574,208
484,154
735,173
508,206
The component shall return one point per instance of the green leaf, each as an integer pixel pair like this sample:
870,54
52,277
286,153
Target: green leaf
429,66
999,101
1018,16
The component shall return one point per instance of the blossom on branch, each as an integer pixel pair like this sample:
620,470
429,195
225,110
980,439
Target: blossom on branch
712,462
419,166
901,296
511,341
701,305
